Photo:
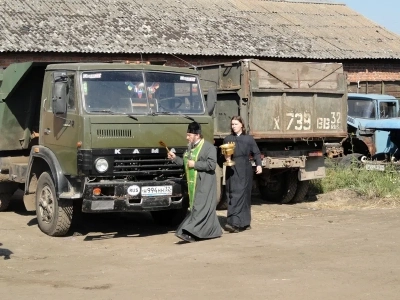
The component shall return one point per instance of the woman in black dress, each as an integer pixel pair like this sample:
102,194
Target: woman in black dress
239,177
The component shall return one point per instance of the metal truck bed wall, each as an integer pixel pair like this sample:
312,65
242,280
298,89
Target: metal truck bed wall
20,92
279,99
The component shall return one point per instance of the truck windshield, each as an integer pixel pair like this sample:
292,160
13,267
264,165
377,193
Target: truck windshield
361,108
137,92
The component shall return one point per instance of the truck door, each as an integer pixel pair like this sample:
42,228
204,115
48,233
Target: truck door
60,132
386,110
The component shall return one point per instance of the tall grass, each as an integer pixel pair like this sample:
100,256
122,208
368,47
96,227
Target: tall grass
372,184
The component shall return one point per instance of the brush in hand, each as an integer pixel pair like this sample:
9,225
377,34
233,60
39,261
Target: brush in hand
163,145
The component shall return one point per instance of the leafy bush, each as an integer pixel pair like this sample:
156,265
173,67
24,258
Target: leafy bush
371,184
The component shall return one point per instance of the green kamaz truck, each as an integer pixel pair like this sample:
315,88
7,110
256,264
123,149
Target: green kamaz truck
290,108
91,137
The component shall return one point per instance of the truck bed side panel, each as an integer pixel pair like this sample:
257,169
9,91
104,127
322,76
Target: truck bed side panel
297,99
298,115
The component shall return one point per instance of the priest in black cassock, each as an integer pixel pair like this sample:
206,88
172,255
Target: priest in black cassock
200,161
239,177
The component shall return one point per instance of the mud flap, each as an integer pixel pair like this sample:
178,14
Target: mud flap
314,169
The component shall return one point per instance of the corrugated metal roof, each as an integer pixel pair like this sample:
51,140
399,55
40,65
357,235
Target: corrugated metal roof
253,28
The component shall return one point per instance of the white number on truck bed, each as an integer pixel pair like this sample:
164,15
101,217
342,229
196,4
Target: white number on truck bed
302,121
333,122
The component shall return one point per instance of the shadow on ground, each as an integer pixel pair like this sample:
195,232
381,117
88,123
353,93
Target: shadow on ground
5,252
100,226
114,225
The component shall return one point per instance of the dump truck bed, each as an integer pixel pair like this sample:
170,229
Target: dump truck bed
280,100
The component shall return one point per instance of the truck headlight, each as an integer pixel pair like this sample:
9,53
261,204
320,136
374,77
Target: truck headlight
101,165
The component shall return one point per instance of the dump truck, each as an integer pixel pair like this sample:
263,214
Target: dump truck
290,108
373,131
93,138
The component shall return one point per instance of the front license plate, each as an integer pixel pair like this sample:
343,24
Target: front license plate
375,167
151,191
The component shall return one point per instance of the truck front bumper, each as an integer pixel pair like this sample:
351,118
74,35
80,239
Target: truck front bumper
124,196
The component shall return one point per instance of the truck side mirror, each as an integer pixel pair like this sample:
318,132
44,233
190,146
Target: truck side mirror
59,105
211,100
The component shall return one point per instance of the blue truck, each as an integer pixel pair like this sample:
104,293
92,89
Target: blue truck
373,126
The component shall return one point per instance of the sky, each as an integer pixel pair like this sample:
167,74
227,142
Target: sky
384,12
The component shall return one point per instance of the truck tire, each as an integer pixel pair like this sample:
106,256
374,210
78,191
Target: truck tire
5,199
350,159
302,189
282,191
54,215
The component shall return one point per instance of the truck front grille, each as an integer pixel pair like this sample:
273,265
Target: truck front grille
145,165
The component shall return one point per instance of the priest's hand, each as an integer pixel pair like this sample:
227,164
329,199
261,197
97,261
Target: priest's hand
191,163
258,170
171,155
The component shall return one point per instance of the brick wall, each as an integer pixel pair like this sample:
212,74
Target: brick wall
374,77
373,71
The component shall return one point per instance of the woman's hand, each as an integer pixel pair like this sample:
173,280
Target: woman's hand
258,170
171,155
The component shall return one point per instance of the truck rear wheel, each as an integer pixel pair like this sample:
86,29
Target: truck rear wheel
54,215
302,189
282,190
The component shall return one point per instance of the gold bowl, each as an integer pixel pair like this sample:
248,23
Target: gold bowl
228,150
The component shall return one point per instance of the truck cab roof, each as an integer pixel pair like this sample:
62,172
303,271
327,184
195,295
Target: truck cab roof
79,66
370,96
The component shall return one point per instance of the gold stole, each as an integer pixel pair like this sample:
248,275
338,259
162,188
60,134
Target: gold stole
191,173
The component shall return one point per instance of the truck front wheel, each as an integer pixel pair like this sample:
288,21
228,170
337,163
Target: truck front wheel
54,215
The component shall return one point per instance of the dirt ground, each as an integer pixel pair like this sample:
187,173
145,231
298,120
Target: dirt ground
335,246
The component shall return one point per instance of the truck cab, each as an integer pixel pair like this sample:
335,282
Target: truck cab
94,134
365,110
